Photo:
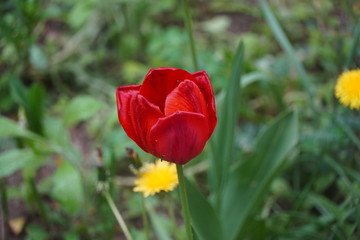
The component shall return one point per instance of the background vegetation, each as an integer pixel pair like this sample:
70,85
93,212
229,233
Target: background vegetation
61,62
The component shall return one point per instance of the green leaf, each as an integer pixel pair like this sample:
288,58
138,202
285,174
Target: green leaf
203,216
71,236
34,110
9,128
68,188
59,137
32,101
250,181
224,133
56,132
157,223
13,160
81,108
35,232
17,90
37,57
80,12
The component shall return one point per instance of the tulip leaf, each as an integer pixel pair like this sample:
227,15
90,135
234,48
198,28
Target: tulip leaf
204,219
68,188
224,134
81,108
250,181
13,160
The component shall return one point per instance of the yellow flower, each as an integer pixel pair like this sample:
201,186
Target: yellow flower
347,89
156,177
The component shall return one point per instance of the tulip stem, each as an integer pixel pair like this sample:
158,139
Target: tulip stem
184,201
117,215
188,24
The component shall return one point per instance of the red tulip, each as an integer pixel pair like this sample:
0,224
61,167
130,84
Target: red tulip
171,115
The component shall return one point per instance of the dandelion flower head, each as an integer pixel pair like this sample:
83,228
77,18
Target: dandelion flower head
156,177
347,89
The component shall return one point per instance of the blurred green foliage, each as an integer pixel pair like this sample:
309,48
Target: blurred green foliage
61,62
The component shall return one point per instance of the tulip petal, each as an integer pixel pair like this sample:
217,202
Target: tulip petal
136,114
203,82
186,97
180,137
160,82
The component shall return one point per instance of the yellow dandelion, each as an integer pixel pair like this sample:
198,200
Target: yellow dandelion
156,177
347,89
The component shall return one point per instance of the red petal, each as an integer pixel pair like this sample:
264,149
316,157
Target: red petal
186,97
160,82
203,82
180,137
136,114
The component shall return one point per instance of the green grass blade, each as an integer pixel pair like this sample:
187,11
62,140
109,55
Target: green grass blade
354,46
347,130
342,174
224,134
250,181
288,48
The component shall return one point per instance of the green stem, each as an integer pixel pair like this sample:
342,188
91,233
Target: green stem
145,219
188,24
184,201
117,215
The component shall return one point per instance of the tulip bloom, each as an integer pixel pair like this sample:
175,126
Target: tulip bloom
171,115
